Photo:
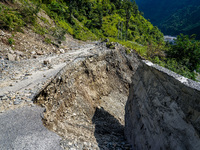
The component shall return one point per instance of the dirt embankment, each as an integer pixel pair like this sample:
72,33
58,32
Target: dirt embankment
85,103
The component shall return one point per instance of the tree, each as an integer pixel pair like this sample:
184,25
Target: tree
186,51
131,9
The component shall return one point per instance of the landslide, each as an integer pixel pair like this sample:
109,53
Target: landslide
85,103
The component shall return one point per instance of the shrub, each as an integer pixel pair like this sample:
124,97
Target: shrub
10,20
175,66
11,41
47,40
58,33
128,51
110,45
39,29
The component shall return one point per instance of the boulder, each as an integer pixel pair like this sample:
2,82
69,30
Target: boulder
161,113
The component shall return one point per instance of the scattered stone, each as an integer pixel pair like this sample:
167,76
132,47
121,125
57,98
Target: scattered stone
33,52
40,52
28,74
2,33
19,53
12,97
11,57
46,62
50,67
2,111
34,56
4,97
17,58
32,105
62,51
25,78
17,102
11,51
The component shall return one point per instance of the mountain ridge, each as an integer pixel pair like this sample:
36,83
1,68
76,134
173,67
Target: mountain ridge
172,13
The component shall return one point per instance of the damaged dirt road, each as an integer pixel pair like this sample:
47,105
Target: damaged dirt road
21,81
83,93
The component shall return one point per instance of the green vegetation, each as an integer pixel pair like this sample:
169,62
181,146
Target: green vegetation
186,20
116,20
9,19
110,45
47,40
39,29
85,20
175,66
183,57
128,51
94,19
173,16
186,51
14,19
11,41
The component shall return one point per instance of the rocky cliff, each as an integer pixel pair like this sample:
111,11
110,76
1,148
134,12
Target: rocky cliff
163,110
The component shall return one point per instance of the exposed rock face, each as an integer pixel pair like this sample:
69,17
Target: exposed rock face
162,111
85,102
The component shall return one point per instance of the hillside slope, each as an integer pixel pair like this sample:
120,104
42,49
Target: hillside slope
186,20
84,20
181,16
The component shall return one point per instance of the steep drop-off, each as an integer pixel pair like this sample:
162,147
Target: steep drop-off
85,102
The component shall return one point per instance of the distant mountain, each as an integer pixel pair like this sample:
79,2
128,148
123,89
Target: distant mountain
173,16
186,20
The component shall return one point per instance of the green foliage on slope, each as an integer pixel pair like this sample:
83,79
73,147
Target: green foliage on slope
120,21
14,18
186,20
173,16
85,19
104,18
186,51
182,57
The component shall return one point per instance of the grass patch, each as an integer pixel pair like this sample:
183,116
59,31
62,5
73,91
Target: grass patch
83,33
39,29
47,40
140,49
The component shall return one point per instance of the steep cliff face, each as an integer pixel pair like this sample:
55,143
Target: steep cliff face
162,111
